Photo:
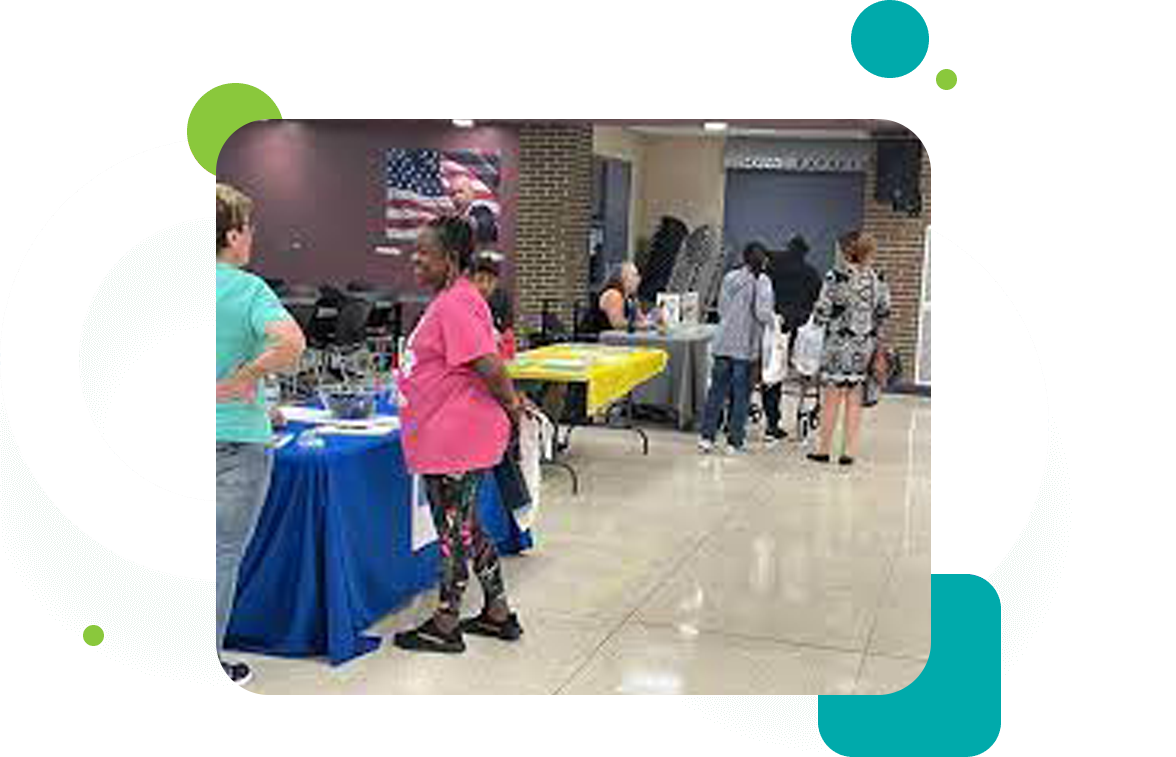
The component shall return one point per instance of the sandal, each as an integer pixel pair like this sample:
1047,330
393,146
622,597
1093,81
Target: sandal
484,625
428,637
845,460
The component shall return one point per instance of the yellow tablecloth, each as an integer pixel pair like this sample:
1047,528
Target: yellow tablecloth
611,372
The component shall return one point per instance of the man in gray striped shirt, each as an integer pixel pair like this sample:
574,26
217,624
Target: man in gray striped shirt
746,304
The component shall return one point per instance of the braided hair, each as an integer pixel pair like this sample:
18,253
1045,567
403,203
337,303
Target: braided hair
456,238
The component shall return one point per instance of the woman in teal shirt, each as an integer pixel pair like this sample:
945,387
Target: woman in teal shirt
255,337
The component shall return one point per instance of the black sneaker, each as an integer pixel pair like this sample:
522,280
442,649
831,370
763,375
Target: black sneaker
428,637
238,672
484,625
776,434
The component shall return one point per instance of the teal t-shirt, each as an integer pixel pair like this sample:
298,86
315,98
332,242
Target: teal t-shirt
244,306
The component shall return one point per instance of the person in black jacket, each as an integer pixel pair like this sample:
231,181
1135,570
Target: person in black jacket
797,285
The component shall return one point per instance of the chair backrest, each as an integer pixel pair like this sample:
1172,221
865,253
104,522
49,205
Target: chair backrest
303,315
663,253
551,328
380,318
333,297
351,325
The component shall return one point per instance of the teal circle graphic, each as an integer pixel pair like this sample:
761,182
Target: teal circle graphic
890,39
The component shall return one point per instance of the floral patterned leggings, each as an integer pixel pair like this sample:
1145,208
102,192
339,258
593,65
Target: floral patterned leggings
453,500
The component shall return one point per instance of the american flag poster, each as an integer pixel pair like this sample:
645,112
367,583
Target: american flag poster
424,184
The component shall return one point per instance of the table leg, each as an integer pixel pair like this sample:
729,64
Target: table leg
633,426
571,472
558,449
628,423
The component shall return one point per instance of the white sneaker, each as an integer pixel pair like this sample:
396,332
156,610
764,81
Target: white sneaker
734,451
705,446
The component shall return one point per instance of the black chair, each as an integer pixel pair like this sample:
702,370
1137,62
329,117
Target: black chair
380,319
310,366
360,286
331,296
347,351
303,314
551,328
351,326
663,253
381,330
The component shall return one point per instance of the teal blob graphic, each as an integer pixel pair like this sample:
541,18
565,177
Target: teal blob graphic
886,48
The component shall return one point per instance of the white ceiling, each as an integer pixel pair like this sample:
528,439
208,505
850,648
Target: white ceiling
738,131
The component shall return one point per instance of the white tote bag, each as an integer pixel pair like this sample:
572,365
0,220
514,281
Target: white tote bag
423,530
807,348
775,359
536,444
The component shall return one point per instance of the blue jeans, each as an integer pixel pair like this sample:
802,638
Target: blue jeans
242,481
730,389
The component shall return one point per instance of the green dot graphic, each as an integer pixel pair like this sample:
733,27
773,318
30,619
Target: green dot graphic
220,112
93,635
946,79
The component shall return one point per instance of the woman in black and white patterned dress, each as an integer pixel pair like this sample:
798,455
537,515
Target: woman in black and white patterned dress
854,303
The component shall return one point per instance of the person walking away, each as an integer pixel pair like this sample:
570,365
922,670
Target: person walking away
796,285
255,337
459,409
853,306
746,304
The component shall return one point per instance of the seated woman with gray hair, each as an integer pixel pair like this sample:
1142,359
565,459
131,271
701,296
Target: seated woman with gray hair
616,307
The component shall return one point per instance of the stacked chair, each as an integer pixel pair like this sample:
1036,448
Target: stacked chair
663,255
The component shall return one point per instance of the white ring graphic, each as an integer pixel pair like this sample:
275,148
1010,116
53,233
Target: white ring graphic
61,270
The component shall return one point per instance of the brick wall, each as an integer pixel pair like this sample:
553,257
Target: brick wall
554,212
900,257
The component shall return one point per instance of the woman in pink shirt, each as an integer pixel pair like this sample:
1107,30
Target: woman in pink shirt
458,411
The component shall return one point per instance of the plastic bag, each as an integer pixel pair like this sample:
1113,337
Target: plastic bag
423,530
807,349
775,359
536,444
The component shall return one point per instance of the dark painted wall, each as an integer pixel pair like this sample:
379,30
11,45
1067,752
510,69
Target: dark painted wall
771,206
319,193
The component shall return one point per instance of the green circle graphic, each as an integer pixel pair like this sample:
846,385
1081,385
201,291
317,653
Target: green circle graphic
889,39
220,112
946,79
93,635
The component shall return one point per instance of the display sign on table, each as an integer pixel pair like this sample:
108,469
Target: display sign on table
691,309
670,304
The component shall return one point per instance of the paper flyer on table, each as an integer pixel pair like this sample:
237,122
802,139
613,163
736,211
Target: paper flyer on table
298,414
423,530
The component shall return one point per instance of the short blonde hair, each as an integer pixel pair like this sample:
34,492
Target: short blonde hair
234,209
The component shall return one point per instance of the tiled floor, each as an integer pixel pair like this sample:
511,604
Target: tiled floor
679,573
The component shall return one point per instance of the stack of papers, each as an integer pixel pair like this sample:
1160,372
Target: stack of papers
379,425
299,414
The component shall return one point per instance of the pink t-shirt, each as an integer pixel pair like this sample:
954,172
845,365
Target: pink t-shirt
450,421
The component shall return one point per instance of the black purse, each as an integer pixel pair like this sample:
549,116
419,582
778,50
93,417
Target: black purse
871,391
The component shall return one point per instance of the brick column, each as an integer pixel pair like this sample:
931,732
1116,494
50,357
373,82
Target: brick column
900,256
554,212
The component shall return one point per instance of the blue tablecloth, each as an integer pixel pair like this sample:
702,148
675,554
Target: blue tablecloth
332,553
